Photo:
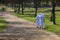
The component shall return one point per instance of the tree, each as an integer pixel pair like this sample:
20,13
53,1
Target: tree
53,2
53,12
18,8
36,6
22,8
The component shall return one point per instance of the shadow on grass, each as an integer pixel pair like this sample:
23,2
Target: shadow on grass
3,26
51,10
3,21
29,15
25,15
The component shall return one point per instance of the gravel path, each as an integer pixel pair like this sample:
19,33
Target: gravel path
21,29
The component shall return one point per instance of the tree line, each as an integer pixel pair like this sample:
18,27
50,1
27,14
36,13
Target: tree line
37,3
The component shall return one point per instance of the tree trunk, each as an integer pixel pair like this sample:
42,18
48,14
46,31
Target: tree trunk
12,5
36,7
22,9
47,3
53,13
36,12
18,8
14,8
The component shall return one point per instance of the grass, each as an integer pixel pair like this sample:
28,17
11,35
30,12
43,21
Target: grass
3,24
8,8
29,15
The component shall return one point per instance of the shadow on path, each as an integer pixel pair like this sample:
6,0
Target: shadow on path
21,29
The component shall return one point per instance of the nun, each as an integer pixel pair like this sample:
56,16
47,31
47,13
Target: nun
40,21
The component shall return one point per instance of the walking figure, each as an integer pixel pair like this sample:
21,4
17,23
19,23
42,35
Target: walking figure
40,21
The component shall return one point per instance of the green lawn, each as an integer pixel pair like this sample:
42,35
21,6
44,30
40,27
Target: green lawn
3,24
29,15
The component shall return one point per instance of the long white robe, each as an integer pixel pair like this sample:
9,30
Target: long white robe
40,20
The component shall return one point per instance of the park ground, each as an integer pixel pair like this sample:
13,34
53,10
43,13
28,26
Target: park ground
22,29
29,15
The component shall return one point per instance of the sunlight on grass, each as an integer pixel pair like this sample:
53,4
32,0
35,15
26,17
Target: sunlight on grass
3,24
48,24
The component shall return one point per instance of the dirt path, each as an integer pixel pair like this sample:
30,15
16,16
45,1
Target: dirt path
21,29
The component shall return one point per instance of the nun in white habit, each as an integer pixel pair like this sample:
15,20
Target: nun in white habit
40,20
